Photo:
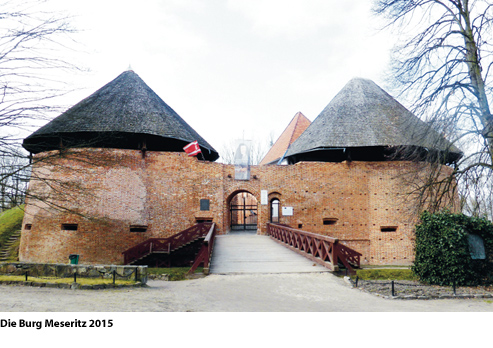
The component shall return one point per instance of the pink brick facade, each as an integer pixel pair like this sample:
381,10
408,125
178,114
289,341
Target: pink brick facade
111,191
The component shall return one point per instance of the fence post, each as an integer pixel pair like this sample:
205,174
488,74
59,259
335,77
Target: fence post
26,275
136,275
453,286
114,276
357,278
393,292
75,276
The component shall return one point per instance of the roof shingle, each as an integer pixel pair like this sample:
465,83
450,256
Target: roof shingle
296,127
362,115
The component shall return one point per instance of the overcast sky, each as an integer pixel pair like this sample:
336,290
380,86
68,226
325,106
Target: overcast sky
230,68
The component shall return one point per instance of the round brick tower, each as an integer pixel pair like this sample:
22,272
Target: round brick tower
106,175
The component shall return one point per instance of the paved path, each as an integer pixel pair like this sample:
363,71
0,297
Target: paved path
245,253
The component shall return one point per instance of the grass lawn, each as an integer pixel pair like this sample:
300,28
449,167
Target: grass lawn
175,273
386,274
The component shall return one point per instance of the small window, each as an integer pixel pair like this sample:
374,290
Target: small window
202,220
204,204
388,228
330,221
138,228
69,227
28,226
300,225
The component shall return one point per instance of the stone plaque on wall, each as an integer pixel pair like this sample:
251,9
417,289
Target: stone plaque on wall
287,211
264,197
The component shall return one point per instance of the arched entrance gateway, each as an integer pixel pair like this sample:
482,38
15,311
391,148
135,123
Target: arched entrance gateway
243,212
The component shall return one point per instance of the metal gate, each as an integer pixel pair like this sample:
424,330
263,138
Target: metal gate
243,212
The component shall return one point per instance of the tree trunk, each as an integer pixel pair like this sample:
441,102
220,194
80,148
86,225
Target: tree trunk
477,82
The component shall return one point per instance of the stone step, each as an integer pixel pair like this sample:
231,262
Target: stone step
250,253
5,250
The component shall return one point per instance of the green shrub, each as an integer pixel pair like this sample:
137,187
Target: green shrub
442,252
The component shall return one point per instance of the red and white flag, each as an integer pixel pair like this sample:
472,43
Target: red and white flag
192,149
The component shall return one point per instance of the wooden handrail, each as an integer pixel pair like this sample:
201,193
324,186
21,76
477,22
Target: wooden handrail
210,233
205,253
308,234
324,250
166,245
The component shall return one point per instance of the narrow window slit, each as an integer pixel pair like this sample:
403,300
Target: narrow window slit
388,228
69,227
330,221
138,228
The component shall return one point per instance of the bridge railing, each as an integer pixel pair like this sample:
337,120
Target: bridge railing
324,250
166,245
205,253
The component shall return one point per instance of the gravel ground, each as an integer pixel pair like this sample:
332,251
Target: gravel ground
231,310
316,292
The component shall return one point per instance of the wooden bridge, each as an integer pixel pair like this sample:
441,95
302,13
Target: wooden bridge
248,252
241,253
323,250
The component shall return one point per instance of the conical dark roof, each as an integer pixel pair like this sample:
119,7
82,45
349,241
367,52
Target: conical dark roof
125,113
365,120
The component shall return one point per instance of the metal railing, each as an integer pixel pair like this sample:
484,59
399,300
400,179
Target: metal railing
324,250
402,289
55,273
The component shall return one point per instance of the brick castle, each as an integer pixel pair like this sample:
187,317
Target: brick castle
111,172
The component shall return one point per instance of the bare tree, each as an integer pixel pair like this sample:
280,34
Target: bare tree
30,42
443,65
14,176
257,151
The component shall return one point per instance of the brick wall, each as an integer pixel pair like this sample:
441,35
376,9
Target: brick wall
108,192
